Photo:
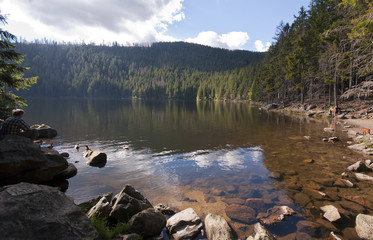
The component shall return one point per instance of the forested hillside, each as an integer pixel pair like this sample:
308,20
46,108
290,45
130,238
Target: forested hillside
162,70
326,51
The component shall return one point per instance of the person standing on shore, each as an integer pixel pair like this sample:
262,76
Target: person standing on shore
15,125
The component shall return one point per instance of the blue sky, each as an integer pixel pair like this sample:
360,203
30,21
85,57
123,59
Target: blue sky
232,24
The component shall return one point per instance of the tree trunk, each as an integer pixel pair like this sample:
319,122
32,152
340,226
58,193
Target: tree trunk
335,83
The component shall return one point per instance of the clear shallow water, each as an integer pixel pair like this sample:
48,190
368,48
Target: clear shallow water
203,155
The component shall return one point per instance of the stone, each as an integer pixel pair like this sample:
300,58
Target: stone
328,129
237,201
276,214
331,213
165,210
217,228
333,139
256,203
352,206
364,226
147,223
102,209
360,200
314,193
275,175
357,147
184,225
359,166
86,206
334,236
69,172
240,213
309,227
310,160
301,199
65,154
30,211
127,203
96,158
45,131
272,106
132,236
343,183
260,233
19,154
363,177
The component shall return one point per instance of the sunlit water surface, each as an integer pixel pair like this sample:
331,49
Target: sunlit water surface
204,155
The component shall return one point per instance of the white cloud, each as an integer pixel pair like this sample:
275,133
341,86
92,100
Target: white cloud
231,40
93,20
259,46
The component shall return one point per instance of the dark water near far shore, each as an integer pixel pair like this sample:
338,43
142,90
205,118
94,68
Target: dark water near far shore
211,156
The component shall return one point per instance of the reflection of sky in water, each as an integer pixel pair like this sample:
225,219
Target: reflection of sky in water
146,169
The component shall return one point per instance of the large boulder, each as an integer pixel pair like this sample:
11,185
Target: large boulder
96,158
127,203
184,225
30,211
45,131
147,223
217,228
364,226
23,161
18,154
69,172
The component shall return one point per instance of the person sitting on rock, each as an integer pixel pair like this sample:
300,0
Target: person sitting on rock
15,125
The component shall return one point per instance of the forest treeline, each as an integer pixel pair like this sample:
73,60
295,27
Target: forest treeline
161,70
324,52
327,50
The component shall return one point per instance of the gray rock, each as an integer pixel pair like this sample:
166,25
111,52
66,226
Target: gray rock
127,203
359,166
260,233
272,106
184,225
86,206
69,172
96,158
357,147
217,228
19,154
102,209
364,226
30,211
328,129
333,139
165,210
147,223
331,213
363,177
45,131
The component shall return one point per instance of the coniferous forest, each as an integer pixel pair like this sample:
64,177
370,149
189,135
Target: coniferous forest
323,53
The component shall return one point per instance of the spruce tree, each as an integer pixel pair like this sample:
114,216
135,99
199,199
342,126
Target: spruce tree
11,73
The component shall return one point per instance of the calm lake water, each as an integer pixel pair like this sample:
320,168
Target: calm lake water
209,156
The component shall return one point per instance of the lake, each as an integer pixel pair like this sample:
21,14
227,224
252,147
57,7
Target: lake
211,156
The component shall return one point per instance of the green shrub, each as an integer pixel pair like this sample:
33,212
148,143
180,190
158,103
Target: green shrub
106,231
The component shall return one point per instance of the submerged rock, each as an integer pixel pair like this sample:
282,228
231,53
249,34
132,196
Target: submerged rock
184,225
364,226
275,214
363,177
217,228
240,213
41,212
331,213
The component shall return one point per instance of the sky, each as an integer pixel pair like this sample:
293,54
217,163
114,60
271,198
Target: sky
231,24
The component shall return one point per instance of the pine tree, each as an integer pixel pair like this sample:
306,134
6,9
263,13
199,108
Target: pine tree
11,73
